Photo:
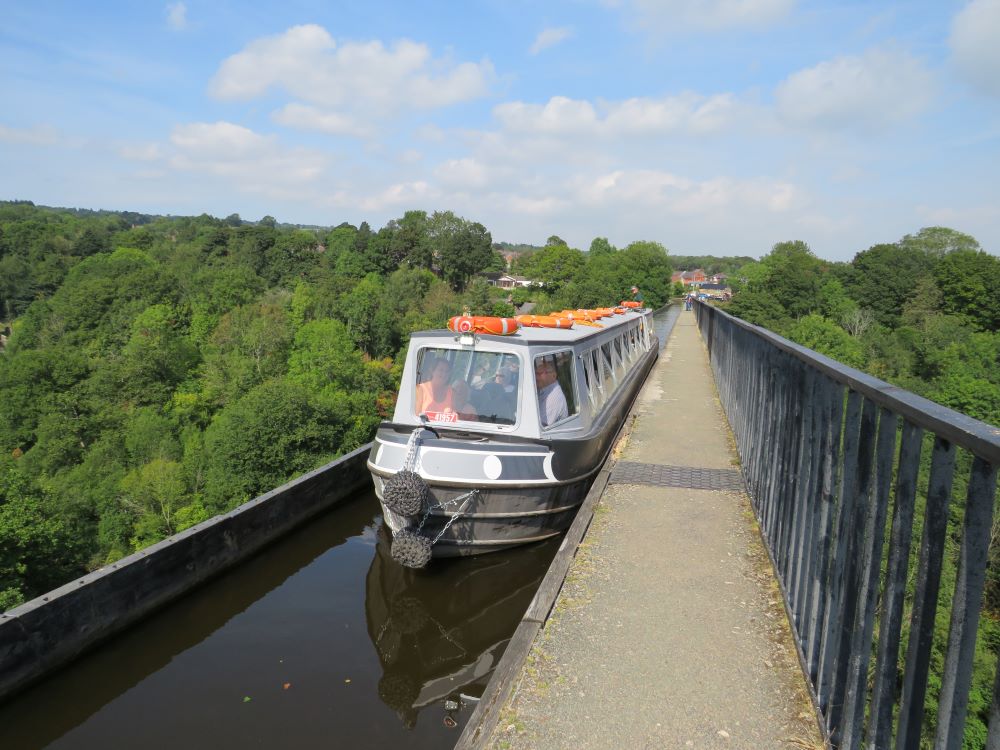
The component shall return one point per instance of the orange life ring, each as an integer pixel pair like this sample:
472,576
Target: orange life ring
495,326
591,314
631,304
583,317
544,321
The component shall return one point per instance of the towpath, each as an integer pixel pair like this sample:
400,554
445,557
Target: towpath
669,630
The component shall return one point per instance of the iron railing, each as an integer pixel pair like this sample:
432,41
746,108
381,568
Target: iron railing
827,452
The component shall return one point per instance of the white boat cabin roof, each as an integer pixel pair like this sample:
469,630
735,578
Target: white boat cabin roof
526,335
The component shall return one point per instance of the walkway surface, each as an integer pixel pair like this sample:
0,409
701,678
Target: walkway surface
669,631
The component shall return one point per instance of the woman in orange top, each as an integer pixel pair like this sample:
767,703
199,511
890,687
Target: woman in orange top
434,396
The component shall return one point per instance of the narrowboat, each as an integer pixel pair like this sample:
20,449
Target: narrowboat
499,428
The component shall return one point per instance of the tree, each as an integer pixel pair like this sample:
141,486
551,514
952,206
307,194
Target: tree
34,544
969,281
249,346
153,495
275,432
601,246
464,248
826,337
939,241
157,356
554,265
885,276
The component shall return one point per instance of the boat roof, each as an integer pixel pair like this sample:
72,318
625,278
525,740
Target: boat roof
547,336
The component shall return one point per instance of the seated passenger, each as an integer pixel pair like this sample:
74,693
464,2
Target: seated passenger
481,377
434,397
495,402
551,400
460,400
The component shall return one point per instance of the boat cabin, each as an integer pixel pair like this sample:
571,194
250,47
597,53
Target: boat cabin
537,382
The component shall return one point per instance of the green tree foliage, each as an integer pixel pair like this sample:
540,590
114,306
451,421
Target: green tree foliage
462,248
34,541
826,337
884,277
554,265
939,241
275,432
969,281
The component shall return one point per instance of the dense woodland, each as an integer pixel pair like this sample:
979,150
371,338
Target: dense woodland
922,313
163,370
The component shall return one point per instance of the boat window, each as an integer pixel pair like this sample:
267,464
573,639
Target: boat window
620,352
610,377
456,385
590,375
554,386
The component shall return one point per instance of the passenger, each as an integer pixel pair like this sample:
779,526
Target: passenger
460,399
480,378
551,400
434,396
496,399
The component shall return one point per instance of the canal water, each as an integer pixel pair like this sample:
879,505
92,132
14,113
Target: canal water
322,640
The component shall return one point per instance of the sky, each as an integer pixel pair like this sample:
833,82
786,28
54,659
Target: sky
711,126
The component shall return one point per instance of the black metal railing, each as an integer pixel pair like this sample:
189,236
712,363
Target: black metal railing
827,452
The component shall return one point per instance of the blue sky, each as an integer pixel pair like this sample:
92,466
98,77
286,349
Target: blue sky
712,126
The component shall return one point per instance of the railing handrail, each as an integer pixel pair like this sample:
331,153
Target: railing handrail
978,437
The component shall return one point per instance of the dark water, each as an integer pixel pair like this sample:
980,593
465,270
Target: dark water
664,319
320,641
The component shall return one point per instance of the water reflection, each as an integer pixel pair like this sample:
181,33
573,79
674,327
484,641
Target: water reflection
440,632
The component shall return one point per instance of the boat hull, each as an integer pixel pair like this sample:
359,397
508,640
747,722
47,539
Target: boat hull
492,519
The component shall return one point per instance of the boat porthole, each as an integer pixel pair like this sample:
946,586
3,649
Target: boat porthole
492,467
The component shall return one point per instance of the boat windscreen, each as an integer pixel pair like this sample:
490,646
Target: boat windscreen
459,385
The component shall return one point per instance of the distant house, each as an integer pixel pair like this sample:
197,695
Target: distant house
690,278
507,281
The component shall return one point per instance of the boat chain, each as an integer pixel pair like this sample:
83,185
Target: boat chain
408,465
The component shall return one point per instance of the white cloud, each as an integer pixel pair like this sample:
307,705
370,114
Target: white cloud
549,38
346,88
249,161
402,194
43,135
706,15
975,44
687,113
177,16
682,195
304,117
463,173
870,91
142,152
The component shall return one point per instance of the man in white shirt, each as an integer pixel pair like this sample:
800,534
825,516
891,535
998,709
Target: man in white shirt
551,399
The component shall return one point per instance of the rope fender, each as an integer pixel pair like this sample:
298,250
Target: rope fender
406,493
411,548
